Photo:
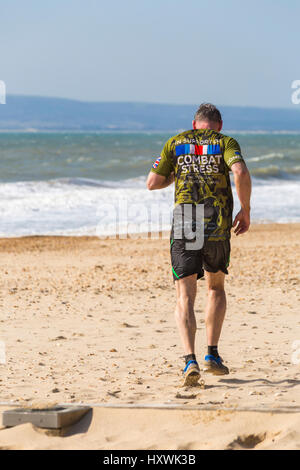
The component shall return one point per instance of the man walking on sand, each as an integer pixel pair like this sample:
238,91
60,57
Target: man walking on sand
199,161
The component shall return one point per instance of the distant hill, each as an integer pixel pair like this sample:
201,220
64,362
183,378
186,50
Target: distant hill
29,112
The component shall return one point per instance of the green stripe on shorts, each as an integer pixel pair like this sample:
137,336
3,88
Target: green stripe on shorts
228,261
173,270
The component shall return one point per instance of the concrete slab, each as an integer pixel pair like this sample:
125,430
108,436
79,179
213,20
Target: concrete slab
50,418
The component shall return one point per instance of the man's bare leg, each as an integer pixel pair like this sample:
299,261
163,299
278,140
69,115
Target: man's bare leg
214,317
215,307
186,289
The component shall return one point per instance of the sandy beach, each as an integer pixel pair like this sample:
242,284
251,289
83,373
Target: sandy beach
91,320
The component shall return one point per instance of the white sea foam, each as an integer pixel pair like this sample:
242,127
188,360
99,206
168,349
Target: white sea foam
74,206
268,156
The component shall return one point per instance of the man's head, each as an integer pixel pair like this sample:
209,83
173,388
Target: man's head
208,117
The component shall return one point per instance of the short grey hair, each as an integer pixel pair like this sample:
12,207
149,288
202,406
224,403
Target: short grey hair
208,112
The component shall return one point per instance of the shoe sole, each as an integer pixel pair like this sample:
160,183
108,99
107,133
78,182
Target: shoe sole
192,379
211,370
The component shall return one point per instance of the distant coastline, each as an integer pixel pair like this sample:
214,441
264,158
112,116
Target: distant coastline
36,114
145,131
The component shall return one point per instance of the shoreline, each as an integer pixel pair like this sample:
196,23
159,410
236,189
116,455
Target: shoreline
255,226
161,235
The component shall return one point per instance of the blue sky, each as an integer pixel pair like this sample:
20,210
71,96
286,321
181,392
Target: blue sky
165,51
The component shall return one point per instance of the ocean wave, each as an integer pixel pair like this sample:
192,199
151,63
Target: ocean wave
273,171
268,156
70,206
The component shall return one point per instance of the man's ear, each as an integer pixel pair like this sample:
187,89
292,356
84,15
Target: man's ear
221,125
194,124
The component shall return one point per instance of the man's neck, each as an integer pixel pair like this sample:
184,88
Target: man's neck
207,125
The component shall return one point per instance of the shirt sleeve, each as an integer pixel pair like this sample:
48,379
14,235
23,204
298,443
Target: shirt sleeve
232,152
163,165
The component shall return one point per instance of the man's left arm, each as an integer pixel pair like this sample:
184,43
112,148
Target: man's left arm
242,180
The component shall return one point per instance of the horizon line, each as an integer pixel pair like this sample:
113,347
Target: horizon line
151,103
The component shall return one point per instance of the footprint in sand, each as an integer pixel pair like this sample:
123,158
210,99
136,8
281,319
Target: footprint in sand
127,325
186,396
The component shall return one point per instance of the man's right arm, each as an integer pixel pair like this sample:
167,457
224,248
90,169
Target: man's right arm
162,171
155,181
242,181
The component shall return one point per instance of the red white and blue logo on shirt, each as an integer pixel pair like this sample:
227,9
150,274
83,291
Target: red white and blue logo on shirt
190,149
156,163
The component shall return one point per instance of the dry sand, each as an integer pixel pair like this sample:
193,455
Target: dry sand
90,320
106,429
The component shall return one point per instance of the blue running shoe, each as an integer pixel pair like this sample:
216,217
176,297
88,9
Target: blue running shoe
215,365
191,374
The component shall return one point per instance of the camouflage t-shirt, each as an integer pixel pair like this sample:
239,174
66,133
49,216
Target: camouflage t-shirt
201,160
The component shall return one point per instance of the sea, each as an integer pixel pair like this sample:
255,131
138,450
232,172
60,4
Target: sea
94,183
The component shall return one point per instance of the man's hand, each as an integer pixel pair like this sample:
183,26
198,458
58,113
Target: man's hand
241,222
